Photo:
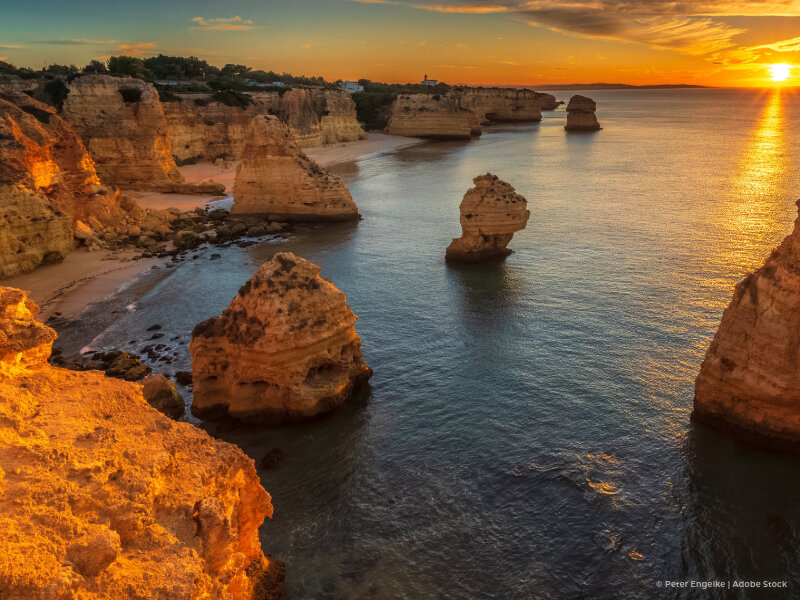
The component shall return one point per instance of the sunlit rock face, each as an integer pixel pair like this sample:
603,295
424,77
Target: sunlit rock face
547,101
749,381
276,179
104,498
45,174
490,214
500,105
580,114
285,348
432,116
122,123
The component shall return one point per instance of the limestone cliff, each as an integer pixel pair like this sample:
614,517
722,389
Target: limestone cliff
490,214
580,114
749,381
285,348
203,129
433,116
337,116
275,178
547,101
105,498
499,105
121,120
44,173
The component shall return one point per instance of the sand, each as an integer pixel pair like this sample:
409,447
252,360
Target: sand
82,278
85,277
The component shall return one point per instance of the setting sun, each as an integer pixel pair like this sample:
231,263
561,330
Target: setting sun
780,71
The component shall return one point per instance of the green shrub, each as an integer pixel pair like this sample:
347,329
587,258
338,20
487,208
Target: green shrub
57,91
232,98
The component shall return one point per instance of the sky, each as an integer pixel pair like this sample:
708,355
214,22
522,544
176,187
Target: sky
475,42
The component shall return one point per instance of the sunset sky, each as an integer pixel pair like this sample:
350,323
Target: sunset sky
530,42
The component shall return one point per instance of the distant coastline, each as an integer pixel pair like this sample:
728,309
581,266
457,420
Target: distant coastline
616,86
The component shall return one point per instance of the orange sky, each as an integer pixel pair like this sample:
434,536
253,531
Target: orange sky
522,42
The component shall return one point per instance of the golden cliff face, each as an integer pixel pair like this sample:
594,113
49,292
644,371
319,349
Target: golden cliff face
432,116
122,123
500,105
275,178
43,166
203,129
490,214
749,381
105,498
285,348
580,114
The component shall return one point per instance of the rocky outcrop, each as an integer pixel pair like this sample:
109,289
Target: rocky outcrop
490,214
580,114
105,498
47,181
203,129
500,105
122,123
276,179
432,116
337,116
285,348
547,101
749,382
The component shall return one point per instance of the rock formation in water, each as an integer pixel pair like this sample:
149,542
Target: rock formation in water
500,105
490,214
580,114
432,116
105,498
749,381
285,348
547,101
203,129
276,179
122,123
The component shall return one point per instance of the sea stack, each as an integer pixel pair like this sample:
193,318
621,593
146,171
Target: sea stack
749,382
105,497
285,348
490,214
277,180
580,114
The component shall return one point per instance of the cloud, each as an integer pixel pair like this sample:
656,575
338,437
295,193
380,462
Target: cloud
306,46
3,58
479,9
10,46
220,24
77,42
513,63
137,49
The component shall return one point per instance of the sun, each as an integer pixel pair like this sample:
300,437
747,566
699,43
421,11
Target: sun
780,71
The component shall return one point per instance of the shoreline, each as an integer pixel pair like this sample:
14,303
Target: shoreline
84,278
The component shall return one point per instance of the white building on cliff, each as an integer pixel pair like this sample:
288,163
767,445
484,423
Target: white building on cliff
427,81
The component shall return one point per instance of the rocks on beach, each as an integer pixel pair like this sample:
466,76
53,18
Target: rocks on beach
296,351
490,214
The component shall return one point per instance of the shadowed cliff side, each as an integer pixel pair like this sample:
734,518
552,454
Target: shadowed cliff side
749,382
276,179
105,498
285,348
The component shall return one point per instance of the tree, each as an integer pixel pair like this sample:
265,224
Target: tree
95,67
129,65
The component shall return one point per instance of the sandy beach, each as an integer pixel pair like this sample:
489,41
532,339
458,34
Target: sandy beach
82,278
85,277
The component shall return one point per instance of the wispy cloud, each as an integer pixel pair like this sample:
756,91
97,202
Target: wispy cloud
10,46
137,49
76,42
513,63
471,9
221,24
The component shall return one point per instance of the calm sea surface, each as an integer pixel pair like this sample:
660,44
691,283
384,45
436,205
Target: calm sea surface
526,433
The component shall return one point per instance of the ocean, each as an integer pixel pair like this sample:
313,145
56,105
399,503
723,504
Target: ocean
526,433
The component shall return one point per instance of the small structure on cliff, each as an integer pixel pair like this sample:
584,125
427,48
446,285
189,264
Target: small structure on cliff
749,382
580,114
275,178
106,498
490,214
285,348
